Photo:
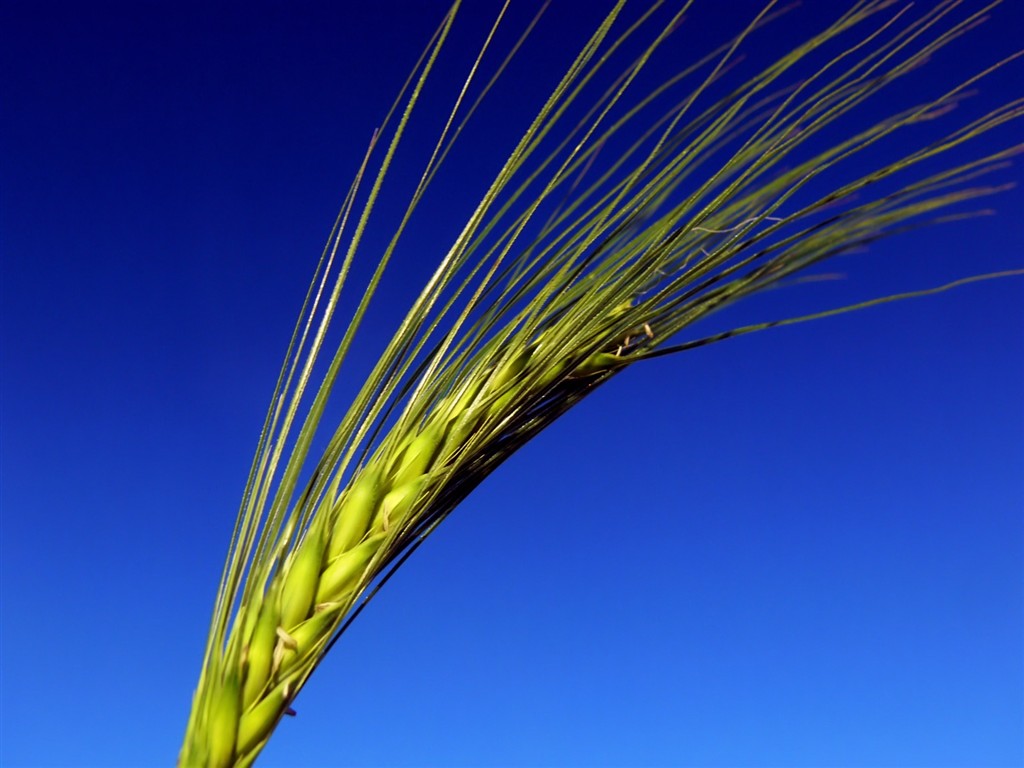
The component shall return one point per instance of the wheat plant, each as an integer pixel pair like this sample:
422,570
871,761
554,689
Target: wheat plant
626,213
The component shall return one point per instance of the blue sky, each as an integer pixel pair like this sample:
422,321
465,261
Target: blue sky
799,548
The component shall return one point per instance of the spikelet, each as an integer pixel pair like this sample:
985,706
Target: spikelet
417,456
354,512
301,579
224,712
396,504
509,370
461,427
259,651
297,644
342,573
255,725
598,363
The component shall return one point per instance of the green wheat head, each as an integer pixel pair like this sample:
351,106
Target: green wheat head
576,263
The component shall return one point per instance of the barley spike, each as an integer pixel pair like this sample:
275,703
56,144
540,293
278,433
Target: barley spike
590,249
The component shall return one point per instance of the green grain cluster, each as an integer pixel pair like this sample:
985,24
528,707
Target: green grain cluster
597,245
349,542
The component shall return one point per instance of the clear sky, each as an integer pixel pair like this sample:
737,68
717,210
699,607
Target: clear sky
799,548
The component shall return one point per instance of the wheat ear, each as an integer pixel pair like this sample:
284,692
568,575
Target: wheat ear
575,263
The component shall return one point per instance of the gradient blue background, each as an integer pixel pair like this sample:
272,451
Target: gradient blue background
799,548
